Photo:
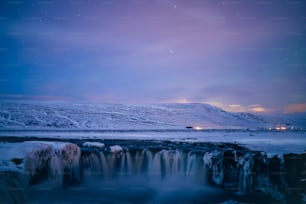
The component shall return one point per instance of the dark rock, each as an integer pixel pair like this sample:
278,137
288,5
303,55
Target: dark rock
230,169
17,161
293,171
275,171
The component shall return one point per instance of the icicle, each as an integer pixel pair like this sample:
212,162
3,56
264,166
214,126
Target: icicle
56,170
246,174
36,162
214,161
70,157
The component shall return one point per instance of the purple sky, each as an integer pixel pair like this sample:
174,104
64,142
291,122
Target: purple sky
238,55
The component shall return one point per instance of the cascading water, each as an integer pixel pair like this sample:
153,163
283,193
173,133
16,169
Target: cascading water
151,164
145,175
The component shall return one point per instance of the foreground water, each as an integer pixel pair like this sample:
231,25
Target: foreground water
131,189
137,190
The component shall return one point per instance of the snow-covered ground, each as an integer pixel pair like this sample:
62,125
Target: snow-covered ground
272,142
34,115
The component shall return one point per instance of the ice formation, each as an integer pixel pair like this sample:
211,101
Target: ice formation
30,163
53,160
254,171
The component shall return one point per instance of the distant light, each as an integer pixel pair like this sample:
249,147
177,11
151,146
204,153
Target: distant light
281,128
197,128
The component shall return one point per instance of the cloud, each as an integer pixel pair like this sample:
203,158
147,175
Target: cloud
255,108
295,108
35,97
182,100
121,52
258,109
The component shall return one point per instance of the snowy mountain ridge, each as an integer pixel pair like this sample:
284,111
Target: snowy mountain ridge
39,115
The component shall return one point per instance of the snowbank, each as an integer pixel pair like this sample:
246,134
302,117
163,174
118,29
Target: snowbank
94,144
115,148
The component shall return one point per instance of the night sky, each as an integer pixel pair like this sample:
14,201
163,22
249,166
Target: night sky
240,55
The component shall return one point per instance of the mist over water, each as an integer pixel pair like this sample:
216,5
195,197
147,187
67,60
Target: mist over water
143,176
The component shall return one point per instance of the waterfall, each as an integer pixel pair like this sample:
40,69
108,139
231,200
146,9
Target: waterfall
154,173
154,165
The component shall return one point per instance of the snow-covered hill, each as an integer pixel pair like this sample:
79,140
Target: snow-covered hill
34,115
